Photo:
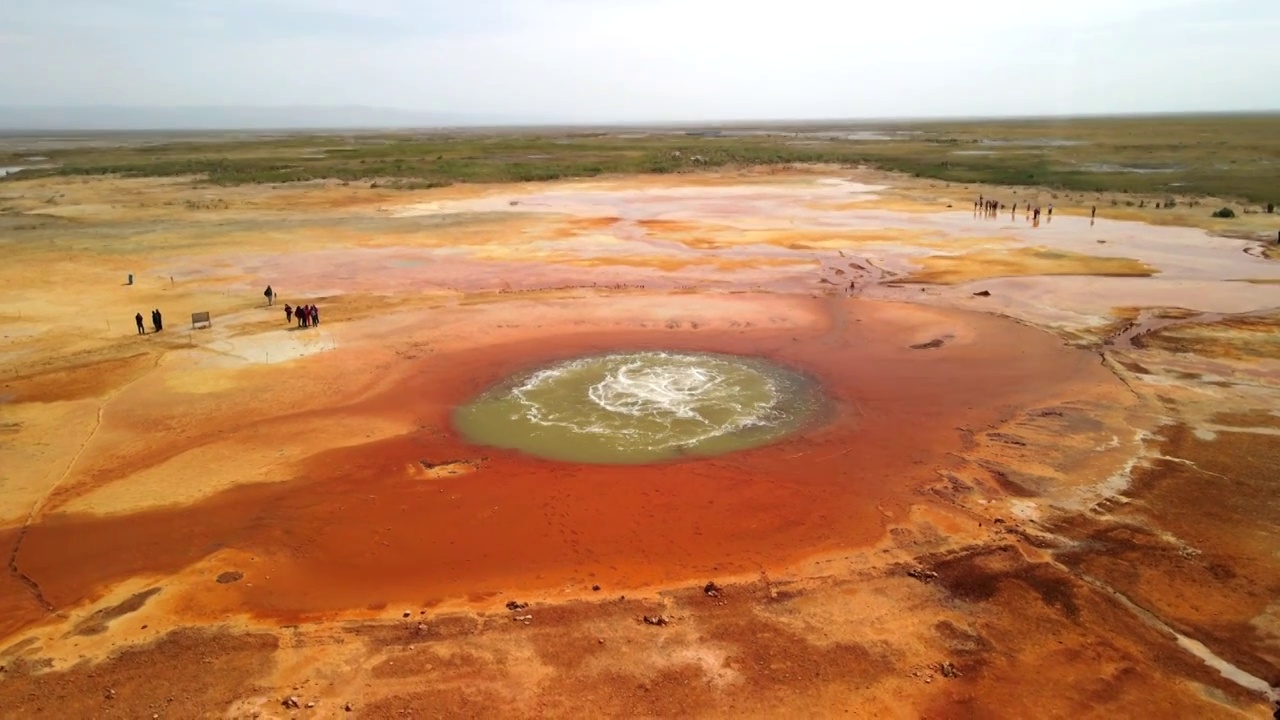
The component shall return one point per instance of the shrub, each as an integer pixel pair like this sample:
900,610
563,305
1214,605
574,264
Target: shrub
1225,212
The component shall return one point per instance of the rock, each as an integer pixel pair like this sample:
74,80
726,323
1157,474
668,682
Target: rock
407,614
230,576
515,606
658,620
348,707
983,293
109,694
523,618
600,640
931,345
948,670
711,590
595,588
291,703
922,575
422,627
311,704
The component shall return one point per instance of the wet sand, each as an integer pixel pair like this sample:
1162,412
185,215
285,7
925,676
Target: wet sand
977,520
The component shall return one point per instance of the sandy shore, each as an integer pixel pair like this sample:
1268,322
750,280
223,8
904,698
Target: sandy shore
1027,497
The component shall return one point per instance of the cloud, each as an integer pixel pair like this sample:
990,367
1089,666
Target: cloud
579,60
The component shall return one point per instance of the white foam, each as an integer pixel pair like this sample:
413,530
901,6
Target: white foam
689,397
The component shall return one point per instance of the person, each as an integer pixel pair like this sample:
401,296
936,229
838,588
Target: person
315,315
1093,212
288,313
142,330
1050,210
270,295
303,316
157,322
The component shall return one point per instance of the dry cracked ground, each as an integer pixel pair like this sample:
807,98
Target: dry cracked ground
1046,486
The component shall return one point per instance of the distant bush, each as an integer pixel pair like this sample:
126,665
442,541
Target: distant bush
1225,212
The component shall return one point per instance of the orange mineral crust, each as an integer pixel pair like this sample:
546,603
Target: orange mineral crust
425,517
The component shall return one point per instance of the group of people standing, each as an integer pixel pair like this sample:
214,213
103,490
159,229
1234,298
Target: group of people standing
157,322
992,208
308,315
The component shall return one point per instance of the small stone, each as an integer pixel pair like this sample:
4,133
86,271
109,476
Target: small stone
522,618
406,614
659,620
291,703
600,640
230,576
515,606
711,590
922,575
348,707
983,293
595,588
311,704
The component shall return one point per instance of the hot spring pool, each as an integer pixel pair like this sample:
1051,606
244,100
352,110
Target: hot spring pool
643,406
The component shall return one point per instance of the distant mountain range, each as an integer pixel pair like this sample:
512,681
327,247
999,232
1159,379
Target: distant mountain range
117,117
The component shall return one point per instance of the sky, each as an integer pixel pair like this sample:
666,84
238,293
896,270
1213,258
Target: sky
649,60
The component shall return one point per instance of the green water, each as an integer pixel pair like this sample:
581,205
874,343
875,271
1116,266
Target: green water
640,407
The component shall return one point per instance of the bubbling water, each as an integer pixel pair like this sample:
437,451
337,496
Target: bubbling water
641,407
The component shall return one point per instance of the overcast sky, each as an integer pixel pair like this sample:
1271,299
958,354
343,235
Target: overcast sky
649,60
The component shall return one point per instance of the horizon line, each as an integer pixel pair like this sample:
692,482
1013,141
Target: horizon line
577,124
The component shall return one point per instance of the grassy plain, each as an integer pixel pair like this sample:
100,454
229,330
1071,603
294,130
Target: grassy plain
1233,157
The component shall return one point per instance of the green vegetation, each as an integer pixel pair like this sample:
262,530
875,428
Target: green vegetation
1234,157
